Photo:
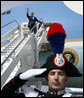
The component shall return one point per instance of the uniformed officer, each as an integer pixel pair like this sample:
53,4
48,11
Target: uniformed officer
56,70
59,69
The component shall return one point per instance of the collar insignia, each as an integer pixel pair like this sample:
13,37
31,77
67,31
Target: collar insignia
57,93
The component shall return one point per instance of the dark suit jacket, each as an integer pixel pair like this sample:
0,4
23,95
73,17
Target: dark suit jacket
32,21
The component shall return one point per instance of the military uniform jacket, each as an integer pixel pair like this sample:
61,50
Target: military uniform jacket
11,87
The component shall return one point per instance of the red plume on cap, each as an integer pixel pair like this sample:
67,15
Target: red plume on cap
55,28
56,37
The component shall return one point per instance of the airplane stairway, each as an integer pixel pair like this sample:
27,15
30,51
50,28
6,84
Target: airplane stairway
6,52
13,55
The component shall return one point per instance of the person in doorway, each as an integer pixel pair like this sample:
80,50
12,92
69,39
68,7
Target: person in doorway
32,21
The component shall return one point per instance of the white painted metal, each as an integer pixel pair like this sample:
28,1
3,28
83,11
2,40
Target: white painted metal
26,53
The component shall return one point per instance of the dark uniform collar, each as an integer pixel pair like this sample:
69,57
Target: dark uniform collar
59,93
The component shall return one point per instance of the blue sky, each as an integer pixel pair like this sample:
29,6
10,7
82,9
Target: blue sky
49,11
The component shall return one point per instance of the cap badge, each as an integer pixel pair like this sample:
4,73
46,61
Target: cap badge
59,60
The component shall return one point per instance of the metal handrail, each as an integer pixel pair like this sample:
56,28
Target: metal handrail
34,27
10,23
12,51
17,46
